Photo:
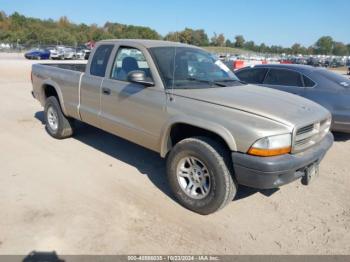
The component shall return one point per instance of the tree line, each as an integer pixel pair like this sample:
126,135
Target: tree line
17,28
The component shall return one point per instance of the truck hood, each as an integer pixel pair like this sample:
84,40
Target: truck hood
285,108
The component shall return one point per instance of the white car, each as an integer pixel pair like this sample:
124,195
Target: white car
69,53
80,54
57,53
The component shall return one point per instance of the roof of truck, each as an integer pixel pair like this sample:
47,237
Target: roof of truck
147,43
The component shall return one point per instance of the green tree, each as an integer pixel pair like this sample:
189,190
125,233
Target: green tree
340,49
214,40
220,40
186,36
263,48
3,16
172,36
189,36
228,43
200,38
64,22
116,30
324,45
296,49
276,49
250,45
310,50
239,43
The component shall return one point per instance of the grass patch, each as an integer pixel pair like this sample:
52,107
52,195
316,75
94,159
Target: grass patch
230,50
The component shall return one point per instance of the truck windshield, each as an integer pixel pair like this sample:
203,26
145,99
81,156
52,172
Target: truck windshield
186,67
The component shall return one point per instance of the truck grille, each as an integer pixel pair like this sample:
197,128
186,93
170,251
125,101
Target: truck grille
309,135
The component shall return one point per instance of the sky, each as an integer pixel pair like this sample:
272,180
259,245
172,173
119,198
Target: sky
278,22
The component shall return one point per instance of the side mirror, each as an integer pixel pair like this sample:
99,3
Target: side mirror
139,77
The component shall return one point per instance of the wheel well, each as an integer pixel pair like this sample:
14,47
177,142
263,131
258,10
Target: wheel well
182,131
50,91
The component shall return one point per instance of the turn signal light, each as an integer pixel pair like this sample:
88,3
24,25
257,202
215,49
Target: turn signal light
269,152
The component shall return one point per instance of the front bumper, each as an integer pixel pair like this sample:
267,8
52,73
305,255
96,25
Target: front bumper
273,172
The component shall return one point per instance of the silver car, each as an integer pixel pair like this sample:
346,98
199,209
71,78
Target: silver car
69,53
329,89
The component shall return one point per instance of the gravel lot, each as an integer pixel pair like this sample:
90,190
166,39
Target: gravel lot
99,194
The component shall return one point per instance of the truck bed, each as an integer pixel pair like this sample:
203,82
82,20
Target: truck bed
65,78
73,67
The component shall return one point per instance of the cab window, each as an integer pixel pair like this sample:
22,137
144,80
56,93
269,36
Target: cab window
100,60
129,59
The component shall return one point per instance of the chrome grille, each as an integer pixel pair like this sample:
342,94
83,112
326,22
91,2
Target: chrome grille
309,135
305,129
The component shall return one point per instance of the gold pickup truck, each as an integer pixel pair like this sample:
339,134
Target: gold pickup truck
215,131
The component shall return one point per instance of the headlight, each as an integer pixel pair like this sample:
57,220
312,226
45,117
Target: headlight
272,146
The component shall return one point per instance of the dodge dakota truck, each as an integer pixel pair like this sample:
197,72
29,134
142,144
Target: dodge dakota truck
215,131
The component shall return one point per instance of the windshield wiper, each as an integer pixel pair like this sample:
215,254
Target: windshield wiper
206,81
231,80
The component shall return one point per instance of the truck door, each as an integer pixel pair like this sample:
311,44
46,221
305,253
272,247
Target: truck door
91,85
132,111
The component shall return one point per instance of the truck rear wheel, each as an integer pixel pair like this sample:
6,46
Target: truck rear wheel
198,171
57,124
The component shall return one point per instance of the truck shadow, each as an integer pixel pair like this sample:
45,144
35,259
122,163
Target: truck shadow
146,161
245,191
35,256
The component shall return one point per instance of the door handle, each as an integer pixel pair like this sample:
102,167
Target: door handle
106,91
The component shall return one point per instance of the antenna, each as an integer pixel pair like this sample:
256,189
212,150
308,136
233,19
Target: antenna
173,76
174,66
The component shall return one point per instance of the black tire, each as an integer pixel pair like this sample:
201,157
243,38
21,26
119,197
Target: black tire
65,126
217,160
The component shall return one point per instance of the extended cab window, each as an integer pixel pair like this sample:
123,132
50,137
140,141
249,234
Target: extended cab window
100,60
129,59
283,77
252,75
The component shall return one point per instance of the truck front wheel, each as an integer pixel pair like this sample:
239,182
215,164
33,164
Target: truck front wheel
57,124
198,171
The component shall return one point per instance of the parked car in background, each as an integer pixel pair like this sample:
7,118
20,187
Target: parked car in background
299,60
315,61
80,53
69,53
87,54
38,54
5,46
57,53
325,87
51,49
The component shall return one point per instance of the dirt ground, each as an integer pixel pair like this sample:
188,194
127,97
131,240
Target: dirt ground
99,194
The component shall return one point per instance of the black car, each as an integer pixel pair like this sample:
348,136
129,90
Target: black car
87,54
329,89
